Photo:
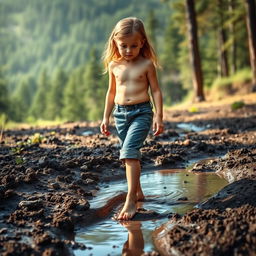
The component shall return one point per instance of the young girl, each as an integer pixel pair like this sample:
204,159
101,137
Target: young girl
130,61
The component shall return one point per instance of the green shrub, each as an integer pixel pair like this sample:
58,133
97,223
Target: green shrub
242,76
232,84
223,83
237,104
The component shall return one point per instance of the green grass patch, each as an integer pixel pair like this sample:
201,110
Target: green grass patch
38,123
242,76
237,105
224,86
3,122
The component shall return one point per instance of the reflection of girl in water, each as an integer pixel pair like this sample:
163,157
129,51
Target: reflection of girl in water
135,243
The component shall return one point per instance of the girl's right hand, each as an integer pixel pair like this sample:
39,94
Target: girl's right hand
104,128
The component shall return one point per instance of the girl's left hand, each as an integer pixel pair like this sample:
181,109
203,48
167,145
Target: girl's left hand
158,126
104,127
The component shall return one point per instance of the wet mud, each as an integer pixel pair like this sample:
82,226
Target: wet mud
47,182
225,224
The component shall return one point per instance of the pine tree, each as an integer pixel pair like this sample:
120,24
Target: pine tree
223,53
251,28
194,51
152,24
172,40
4,96
74,107
22,101
94,92
55,97
232,28
38,108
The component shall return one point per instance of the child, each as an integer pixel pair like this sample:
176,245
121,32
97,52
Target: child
130,61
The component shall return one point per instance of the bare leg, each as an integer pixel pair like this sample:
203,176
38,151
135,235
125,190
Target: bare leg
133,177
135,242
140,195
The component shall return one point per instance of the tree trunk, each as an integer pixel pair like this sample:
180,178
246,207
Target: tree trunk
194,51
232,28
223,55
251,29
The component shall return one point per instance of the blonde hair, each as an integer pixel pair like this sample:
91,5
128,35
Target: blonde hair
127,27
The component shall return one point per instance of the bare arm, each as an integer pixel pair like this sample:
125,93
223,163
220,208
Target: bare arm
109,103
158,126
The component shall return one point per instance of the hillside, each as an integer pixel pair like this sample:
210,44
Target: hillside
37,35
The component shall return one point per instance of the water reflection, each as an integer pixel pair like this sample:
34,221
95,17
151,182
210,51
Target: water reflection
167,191
134,246
190,127
201,190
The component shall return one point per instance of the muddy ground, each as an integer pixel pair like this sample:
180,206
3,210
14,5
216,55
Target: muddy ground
48,178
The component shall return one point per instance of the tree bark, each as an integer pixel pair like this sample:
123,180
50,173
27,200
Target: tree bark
251,30
223,55
232,28
194,51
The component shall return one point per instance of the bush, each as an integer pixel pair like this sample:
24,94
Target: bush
243,76
232,84
237,104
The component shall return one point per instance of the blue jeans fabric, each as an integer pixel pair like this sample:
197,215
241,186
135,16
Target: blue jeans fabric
133,123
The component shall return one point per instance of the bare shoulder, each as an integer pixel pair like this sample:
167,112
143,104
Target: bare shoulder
149,64
112,65
146,62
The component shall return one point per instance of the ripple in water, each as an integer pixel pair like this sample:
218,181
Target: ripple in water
166,191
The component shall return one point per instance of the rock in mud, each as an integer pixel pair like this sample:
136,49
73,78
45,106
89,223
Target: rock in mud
31,205
55,185
43,239
168,159
198,167
82,205
90,175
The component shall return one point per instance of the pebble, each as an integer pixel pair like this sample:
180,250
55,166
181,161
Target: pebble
84,167
54,185
182,198
90,181
31,204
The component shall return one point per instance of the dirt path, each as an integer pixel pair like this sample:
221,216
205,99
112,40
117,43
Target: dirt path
47,179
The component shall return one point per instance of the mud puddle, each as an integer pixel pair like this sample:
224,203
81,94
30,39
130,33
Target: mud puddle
168,191
190,127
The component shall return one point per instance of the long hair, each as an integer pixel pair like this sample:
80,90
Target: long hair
123,28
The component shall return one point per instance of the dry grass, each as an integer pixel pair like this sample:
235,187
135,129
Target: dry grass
247,99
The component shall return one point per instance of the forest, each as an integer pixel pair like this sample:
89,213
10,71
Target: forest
50,57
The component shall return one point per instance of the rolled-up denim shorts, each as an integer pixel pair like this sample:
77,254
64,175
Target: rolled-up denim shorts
133,123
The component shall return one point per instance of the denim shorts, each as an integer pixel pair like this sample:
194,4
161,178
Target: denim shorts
133,123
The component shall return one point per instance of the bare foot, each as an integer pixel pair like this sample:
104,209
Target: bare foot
128,210
131,225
